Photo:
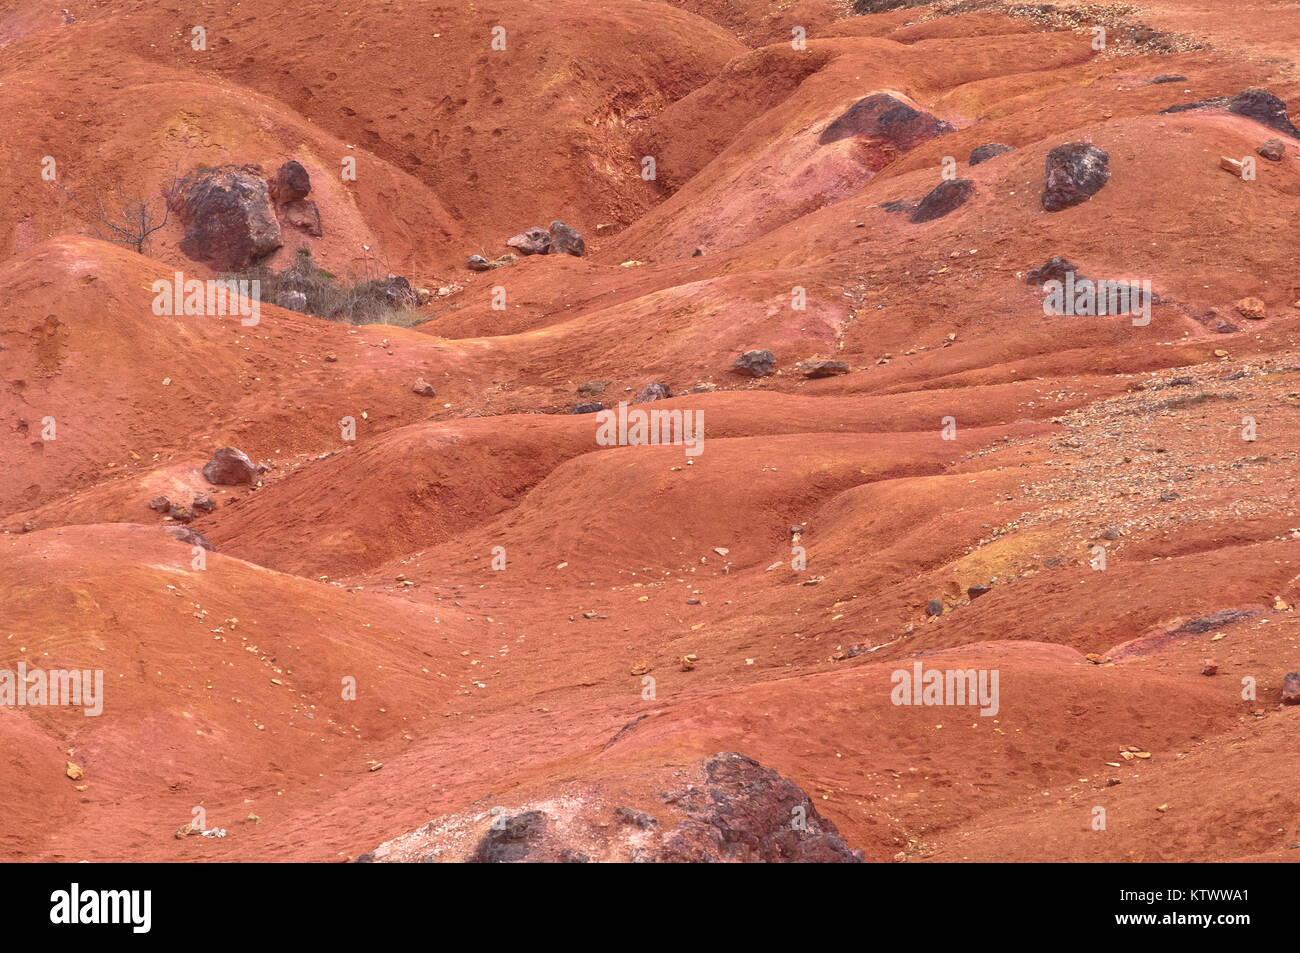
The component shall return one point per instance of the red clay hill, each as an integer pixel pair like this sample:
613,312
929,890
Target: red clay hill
451,601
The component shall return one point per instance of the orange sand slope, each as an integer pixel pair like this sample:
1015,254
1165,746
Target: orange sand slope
473,607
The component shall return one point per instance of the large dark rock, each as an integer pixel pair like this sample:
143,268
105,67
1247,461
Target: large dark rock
1254,103
227,214
230,467
592,407
535,241
881,116
757,363
290,183
1074,173
945,197
566,239
745,812
512,841
1265,108
988,151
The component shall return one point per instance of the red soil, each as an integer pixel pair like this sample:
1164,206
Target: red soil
478,687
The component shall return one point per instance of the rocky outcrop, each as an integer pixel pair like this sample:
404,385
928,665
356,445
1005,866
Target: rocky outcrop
1254,103
231,467
881,116
728,809
228,218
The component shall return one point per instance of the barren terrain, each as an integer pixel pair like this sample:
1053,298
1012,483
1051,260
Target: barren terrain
469,609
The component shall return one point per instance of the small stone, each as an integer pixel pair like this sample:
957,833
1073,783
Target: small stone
203,503
478,263
1251,308
422,387
1220,352
1273,150
1291,688
1112,532
640,668
654,391
974,592
591,388
934,607
588,408
943,199
1235,166
1208,667
181,514
1094,658
75,772
688,662
160,504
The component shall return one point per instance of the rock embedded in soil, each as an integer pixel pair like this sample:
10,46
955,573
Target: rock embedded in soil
654,391
757,363
566,240
188,536
881,116
227,214
229,466
816,369
1055,268
1273,150
943,199
988,151
1074,173
535,241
